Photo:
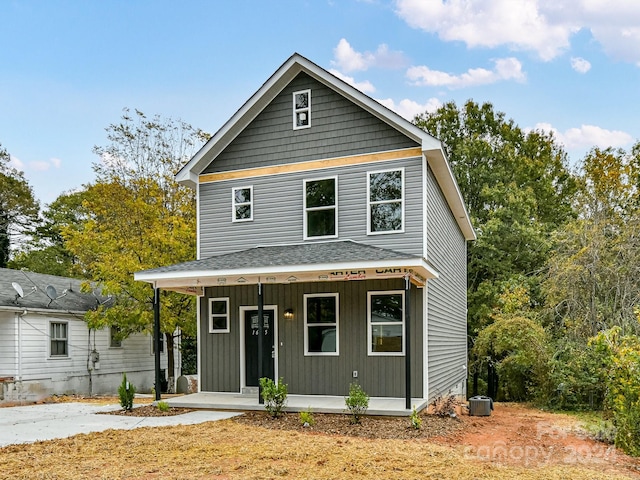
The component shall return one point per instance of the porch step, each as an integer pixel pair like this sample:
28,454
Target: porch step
250,390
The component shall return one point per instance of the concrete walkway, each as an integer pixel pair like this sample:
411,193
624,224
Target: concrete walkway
33,423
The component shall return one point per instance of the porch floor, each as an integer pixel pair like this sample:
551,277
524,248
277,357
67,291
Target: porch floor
295,403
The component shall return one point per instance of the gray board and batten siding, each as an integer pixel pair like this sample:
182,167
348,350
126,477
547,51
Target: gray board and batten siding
447,295
338,128
380,376
278,210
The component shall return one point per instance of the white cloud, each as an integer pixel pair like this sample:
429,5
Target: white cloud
16,163
409,109
505,69
587,136
39,166
366,86
349,60
541,26
580,65
56,162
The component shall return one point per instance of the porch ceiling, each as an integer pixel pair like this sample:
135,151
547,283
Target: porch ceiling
309,262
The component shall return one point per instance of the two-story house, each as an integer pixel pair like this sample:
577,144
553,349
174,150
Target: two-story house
343,224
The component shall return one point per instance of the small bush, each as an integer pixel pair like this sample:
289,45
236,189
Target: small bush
357,402
274,396
127,392
306,418
163,406
416,421
444,406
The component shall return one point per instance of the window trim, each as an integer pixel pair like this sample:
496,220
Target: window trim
296,110
305,210
370,351
307,353
370,203
52,339
217,315
234,218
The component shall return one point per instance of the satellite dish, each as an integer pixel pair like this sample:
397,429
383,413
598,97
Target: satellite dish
18,288
51,292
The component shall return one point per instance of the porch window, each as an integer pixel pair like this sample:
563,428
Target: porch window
242,199
321,319
59,340
386,323
301,109
321,208
219,315
385,202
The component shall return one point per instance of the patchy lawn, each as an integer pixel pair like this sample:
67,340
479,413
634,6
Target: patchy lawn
515,442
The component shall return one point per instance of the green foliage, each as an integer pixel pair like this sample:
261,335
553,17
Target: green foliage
622,366
357,402
127,393
306,418
274,395
414,418
163,406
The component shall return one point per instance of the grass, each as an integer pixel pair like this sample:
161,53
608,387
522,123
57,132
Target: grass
231,450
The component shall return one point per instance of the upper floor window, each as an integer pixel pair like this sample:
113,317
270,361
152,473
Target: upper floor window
386,323
321,324
59,339
301,109
321,208
385,202
219,315
242,199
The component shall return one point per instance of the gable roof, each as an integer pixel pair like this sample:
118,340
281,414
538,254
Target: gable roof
431,147
34,287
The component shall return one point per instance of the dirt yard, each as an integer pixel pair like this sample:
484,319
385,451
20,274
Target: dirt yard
515,442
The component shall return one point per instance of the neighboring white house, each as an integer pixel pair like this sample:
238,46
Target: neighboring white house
46,347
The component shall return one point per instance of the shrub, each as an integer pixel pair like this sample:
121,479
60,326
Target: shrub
163,406
306,418
416,421
127,392
444,406
274,396
357,402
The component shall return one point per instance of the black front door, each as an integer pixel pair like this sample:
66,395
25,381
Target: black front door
251,346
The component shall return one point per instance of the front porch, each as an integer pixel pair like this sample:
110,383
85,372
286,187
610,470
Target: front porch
384,406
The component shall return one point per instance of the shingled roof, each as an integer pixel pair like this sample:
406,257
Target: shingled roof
67,296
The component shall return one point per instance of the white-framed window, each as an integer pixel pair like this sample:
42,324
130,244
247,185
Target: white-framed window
219,315
114,337
385,201
321,324
385,322
59,339
242,201
321,208
301,109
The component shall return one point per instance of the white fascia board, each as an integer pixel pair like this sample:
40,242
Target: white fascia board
41,311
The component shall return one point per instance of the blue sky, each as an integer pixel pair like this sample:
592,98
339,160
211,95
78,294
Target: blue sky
68,68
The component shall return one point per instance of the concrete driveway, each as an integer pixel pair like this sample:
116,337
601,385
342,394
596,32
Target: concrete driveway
33,423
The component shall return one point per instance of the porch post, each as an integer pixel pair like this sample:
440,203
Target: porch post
407,341
156,337
260,340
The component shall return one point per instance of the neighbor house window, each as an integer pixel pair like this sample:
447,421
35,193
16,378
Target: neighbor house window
321,208
218,315
302,109
242,204
321,324
59,339
385,202
114,337
386,323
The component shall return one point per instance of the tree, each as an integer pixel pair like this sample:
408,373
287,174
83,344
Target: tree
138,217
18,208
518,190
47,251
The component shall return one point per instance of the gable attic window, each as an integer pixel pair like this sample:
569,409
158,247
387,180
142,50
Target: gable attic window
385,202
320,208
301,109
242,199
